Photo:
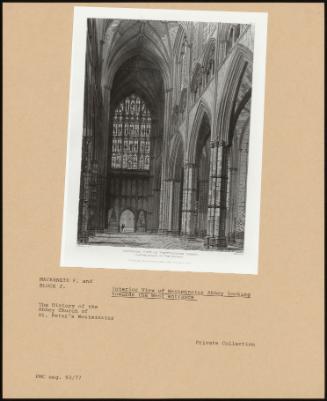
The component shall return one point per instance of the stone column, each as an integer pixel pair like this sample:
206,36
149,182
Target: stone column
103,157
150,205
189,191
163,214
170,202
164,195
212,193
220,198
154,197
241,190
176,207
230,203
154,216
83,218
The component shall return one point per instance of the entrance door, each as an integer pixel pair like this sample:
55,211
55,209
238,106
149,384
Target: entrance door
140,226
127,219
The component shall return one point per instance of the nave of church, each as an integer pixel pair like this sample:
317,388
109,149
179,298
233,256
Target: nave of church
165,134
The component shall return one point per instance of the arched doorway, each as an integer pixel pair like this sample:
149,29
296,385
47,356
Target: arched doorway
112,221
127,220
202,179
141,221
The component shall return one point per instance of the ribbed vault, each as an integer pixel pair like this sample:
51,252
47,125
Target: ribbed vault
142,76
125,38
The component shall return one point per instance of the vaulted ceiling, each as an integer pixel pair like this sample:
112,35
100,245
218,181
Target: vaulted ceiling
137,57
156,36
152,40
138,75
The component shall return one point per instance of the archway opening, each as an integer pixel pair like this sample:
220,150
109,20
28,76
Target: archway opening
238,162
141,221
202,179
135,142
112,221
237,180
127,221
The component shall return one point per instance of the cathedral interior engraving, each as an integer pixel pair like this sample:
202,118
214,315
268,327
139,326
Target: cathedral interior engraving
166,134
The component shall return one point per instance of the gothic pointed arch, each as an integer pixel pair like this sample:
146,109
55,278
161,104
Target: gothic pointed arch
175,182
203,111
181,62
141,220
240,66
124,55
237,181
127,221
180,37
209,60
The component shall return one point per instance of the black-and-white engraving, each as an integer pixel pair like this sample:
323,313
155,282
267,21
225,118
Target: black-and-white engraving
166,134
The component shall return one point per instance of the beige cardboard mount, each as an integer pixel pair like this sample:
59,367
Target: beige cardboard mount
151,348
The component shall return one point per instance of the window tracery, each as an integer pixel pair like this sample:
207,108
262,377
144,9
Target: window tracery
131,135
209,63
233,35
196,84
182,102
182,67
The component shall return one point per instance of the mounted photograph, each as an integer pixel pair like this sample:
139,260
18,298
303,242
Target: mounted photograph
165,135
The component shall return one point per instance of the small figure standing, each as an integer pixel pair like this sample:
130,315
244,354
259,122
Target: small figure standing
123,228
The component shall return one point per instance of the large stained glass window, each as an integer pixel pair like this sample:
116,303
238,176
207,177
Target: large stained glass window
131,135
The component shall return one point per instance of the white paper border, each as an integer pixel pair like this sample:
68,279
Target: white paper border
96,256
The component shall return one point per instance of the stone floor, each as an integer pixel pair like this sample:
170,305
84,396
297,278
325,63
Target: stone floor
145,240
